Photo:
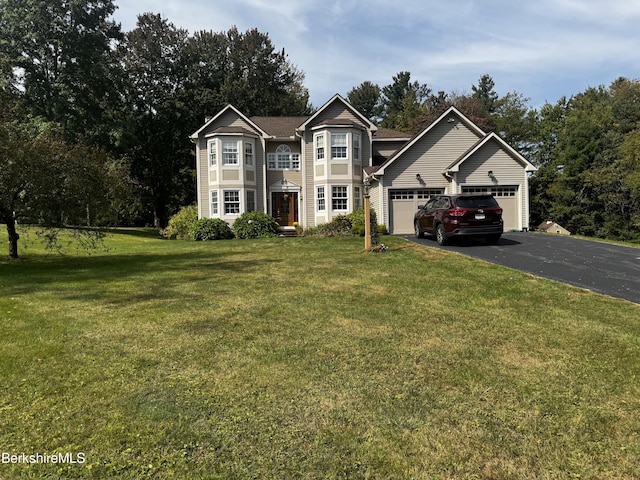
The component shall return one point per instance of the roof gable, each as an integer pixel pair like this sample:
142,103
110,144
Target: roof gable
448,116
228,109
318,116
492,137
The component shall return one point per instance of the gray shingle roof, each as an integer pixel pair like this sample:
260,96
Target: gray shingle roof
279,126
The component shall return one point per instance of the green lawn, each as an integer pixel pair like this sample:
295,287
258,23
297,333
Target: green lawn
309,358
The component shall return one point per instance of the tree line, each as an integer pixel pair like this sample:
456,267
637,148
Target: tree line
112,112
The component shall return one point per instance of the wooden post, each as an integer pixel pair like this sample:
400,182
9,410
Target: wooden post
367,222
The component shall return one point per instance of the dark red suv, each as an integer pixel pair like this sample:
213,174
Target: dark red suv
447,216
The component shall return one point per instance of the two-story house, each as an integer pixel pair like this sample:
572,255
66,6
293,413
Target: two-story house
307,170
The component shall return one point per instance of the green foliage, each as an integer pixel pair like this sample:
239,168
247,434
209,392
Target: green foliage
304,358
181,223
587,156
62,62
357,221
255,225
366,98
211,229
348,225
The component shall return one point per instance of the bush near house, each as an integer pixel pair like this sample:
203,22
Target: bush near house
181,223
348,225
255,225
211,229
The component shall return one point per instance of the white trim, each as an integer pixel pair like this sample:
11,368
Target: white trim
196,134
452,111
528,167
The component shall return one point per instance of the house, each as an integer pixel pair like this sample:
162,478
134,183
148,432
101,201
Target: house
307,170
552,227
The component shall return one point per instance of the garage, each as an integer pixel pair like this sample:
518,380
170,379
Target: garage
403,205
507,198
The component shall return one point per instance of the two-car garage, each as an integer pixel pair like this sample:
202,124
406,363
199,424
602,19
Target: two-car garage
404,203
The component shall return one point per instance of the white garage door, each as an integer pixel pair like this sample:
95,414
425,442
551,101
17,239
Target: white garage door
507,198
403,205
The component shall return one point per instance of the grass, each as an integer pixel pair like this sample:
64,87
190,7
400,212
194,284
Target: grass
309,358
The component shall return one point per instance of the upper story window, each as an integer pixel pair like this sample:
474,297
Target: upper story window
229,152
248,154
339,146
283,159
356,148
213,153
319,147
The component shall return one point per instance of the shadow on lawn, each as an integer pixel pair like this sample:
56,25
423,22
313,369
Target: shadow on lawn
66,276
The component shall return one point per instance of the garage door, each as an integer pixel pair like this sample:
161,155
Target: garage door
403,205
507,198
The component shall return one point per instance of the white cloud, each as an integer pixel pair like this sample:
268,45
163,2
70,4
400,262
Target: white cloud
543,49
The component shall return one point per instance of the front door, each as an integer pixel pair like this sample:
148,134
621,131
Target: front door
284,208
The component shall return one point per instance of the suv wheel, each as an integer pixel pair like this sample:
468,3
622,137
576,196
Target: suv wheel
440,236
416,227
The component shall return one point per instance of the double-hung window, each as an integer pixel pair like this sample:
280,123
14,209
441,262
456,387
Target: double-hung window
229,152
339,198
357,197
214,202
251,200
339,146
320,199
356,148
248,154
231,202
319,148
213,153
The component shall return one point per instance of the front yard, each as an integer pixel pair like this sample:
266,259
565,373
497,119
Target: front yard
309,358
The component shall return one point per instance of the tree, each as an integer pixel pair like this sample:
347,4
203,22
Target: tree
62,63
403,101
485,93
46,181
366,98
259,80
155,118
515,122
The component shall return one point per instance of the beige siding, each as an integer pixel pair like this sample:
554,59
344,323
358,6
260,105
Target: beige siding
430,156
387,148
506,172
241,177
203,172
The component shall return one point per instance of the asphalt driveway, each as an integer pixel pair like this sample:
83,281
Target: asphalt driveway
600,267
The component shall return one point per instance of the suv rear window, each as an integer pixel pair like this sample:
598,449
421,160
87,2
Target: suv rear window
483,201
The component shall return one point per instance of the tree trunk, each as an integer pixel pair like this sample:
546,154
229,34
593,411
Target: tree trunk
13,236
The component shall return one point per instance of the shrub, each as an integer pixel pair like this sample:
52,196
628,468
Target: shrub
255,225
339,226
181,223
211,229
357,221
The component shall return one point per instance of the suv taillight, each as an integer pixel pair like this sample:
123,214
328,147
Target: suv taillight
457,212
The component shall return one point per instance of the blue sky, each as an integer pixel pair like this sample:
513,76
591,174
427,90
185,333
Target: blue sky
543,49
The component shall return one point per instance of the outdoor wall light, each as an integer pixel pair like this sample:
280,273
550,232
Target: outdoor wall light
490,173
418,177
